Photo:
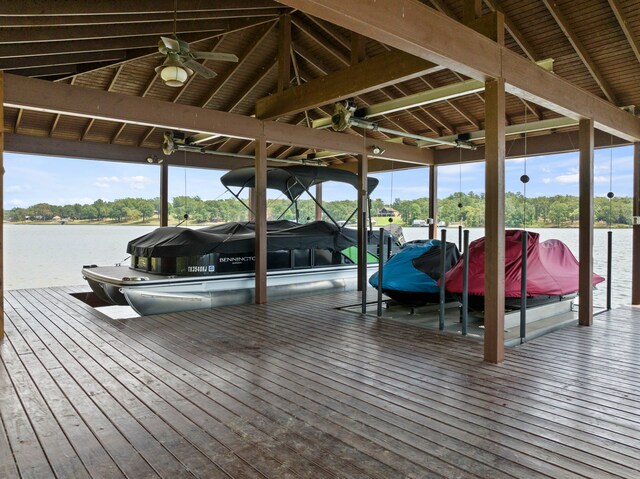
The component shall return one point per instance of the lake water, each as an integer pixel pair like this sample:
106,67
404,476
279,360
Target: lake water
37,256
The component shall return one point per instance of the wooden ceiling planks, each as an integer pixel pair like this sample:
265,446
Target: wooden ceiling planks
320,48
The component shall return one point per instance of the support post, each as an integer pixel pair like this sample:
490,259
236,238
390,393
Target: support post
494,222
284,52
635,267
318,202
433,201
585,133
164,194
443,270
260,194
252,203
2,205
362,223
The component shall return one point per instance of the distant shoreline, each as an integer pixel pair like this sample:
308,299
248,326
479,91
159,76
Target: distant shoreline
156,224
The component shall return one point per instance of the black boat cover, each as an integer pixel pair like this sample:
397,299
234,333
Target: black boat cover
293,180
234,238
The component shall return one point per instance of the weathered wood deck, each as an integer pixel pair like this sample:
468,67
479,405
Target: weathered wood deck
298,389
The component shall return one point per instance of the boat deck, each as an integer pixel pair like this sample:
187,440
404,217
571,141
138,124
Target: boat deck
297,389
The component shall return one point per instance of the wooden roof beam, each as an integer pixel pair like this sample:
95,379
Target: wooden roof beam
137,18
102,7
618,11
536,145
118,30
580,49
452,45
90,150
363,77
39,95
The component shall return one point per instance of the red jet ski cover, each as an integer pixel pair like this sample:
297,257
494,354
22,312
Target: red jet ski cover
551,267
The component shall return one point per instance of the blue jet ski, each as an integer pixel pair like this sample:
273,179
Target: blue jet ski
411,275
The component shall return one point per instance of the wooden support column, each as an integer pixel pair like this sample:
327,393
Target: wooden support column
362,221
357,48
164,194
2,205
585,138
494,222
284,52
252,204
319,211
433,201
260,194
471,9
635,267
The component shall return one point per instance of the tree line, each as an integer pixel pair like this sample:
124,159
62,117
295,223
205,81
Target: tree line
465,208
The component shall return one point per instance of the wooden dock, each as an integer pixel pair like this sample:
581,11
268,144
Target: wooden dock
299,389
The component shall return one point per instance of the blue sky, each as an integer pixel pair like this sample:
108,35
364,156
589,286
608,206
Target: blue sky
31,179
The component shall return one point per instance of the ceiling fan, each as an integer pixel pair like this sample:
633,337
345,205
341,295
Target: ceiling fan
180,62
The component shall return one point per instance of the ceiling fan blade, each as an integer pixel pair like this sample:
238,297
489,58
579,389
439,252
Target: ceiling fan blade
199,68
225,57
171,43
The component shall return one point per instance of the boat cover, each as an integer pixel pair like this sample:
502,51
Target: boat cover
551,267
293,180
233,238
416,267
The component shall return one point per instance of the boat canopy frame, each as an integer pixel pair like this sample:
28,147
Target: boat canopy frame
293,181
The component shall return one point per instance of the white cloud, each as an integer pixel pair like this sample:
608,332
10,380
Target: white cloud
15,189
567,179
546,181
108,179
17,203
135,182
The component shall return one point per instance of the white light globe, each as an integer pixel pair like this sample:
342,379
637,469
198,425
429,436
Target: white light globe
173,76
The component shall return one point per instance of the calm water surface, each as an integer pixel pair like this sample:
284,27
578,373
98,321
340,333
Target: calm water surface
37,256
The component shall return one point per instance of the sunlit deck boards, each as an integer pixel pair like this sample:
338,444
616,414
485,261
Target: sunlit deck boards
296,389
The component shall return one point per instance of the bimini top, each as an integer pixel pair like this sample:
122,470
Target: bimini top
293,180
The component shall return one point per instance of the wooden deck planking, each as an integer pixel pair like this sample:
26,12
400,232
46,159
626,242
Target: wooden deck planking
298,389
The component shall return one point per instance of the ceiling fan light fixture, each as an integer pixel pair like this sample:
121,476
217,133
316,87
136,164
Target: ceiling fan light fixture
173,72
174,76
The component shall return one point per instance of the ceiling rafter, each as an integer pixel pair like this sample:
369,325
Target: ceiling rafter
150,84
342,58
419,113
451,103
441,7
96,32
34,21
580,49
90,123
623,21
346,61
54,124
329,32
514,31
223,79
102,7
261,75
